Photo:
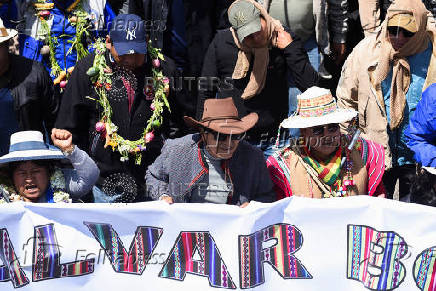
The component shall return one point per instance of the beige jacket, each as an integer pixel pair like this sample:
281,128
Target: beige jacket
302,183
357,91
370,12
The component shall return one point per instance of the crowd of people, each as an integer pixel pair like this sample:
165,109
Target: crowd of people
216,101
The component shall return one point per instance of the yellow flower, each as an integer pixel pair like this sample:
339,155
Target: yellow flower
110,142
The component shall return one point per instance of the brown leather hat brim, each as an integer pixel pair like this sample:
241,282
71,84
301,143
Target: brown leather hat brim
226,126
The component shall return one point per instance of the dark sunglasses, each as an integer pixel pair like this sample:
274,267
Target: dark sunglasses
331,128
222,137
395,30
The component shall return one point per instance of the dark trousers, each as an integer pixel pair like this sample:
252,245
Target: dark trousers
406,175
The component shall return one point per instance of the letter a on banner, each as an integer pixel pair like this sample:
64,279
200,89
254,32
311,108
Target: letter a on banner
374,257
210,264
46,257
143,244
424,270
11,271
280,256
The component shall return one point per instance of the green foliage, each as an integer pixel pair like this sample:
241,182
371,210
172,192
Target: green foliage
100,74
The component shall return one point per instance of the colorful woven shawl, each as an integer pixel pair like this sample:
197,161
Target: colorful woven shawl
328,171
373,156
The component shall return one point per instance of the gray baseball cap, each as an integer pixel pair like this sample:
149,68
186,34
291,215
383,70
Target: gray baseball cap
244,18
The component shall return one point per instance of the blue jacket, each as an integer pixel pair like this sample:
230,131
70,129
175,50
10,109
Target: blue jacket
61,28
9,14
421,133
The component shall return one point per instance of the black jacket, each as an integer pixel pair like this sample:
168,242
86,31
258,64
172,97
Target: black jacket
35,103
202,20
271,103
79,114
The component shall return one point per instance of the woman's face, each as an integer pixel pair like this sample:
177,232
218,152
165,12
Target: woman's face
30,180
323,140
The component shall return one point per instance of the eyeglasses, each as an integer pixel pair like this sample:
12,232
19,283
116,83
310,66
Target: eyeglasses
222,137
331,128
395,30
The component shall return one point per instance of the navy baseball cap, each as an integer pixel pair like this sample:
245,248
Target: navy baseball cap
128,34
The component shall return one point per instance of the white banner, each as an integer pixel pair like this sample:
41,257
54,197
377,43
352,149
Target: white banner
355,243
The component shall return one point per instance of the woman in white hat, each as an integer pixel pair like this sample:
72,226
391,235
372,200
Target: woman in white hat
31,175
322,163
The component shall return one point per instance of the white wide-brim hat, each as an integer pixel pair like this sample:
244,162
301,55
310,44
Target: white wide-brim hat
431,170
317,106
30,146
5,33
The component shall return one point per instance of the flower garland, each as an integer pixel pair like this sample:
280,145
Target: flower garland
100,75
79,19
57,182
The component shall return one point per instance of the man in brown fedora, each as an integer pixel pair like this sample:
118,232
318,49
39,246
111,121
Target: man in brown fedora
213,166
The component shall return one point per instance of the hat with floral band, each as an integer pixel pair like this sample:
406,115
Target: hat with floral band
317,106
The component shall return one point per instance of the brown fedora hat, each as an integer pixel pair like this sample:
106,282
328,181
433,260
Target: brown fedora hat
221,116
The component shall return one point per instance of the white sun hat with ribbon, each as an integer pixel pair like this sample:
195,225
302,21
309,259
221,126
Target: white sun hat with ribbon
5,33
431,170
317,106
28,146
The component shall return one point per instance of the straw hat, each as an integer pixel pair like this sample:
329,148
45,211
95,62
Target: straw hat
5,33
221,116
317,106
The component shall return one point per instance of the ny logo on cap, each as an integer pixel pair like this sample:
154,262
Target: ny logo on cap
131,34
240,18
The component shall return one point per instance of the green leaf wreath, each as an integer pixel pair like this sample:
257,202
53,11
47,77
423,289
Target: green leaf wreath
100,75
78,19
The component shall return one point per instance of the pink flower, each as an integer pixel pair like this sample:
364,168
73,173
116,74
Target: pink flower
165,80
156,63
152,107
44,13
63,84
100,126
149,137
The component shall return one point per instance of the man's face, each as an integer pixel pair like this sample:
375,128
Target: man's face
219,145
258,39
323,140
4,57
130,62
398,36
30,180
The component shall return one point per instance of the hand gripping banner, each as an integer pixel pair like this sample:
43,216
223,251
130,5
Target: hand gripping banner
341,244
